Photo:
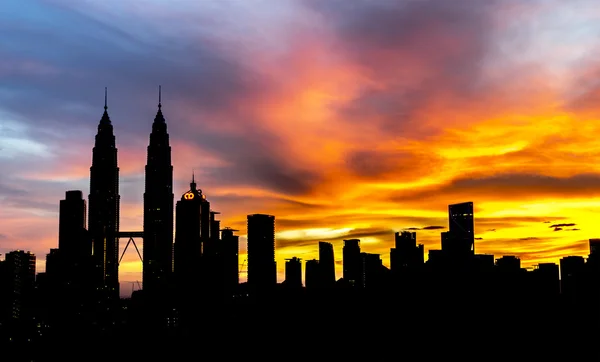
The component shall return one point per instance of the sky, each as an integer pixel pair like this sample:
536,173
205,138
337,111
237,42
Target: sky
344,119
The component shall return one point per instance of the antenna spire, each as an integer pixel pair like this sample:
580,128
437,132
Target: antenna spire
105,98
159,96
193,183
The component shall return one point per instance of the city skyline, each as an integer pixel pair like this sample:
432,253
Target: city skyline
311,150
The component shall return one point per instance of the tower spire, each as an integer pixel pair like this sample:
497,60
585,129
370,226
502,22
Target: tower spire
105,120
193,184
159,97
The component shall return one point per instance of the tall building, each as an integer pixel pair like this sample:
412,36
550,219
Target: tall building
372,270
572,280
353,263
104,203
71,225
262,268
20,269
327,263
158,208
74,245
406,254
215,226
312,274
461,228
293,273
230,245
188,243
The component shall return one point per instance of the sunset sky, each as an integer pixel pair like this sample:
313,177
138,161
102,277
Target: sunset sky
344,119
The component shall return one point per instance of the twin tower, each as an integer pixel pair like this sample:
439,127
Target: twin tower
104,206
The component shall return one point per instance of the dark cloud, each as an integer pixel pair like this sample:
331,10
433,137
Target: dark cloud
530,238
574,229
25,194
385,164
521,186
478,238
203,82
557,229
561,225
433,227
418,49
427,228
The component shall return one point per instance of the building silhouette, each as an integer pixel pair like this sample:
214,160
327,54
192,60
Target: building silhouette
327,263
406,255
230,245
460,237
188,241
262,267
104,205
353,263
158,208
19,267
74,244
313,277
572,269
293,273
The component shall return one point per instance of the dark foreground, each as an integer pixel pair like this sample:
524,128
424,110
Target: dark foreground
297,327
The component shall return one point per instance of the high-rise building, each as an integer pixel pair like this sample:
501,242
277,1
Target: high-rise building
72,222
572,275
158,208
372,270
353,263
215,226
406,254
20,269
312,274
104,203
293,273
262,267
230,245
327,263
74,245
461,228
188,243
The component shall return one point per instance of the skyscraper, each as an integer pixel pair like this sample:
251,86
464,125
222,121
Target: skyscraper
352,262
20,266
327,263
74,246
262,268
462,228
230,251
312,275
158,208
104,203
188,243
293,273
406,254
